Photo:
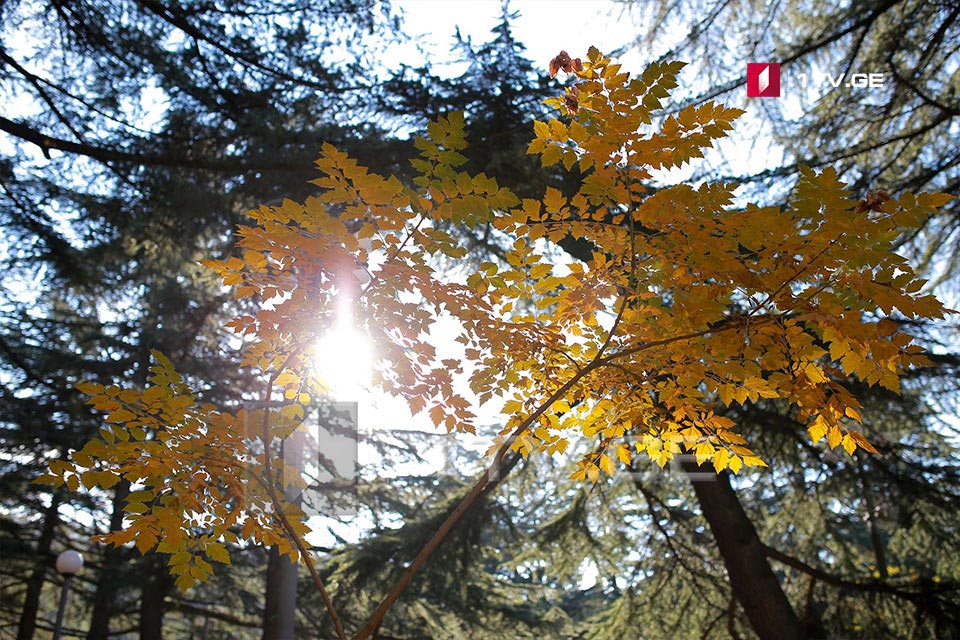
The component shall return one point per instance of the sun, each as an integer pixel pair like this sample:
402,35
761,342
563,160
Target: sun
343,360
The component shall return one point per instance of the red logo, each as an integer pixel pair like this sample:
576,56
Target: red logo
763,80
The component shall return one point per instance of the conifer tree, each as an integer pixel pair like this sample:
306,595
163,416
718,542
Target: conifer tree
631,353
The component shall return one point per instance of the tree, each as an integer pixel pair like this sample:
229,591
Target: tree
139,132
898,136
541,555
631,353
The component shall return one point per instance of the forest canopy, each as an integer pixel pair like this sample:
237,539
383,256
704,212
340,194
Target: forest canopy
624,324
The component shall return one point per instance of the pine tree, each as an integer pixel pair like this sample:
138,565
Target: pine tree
786,320
141,131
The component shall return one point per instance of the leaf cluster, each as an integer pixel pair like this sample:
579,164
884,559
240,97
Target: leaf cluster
686,305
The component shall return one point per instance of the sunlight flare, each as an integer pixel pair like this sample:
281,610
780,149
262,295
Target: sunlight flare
343,359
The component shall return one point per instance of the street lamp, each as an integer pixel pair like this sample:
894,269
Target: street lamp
68,565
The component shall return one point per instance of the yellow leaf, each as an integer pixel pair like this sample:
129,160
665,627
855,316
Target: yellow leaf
661,457
720,422
862,442
834,436
217,552
511,407
720,460
849,444
726,392
705,451
90,388
48,478
145,541
735,464
121,415
817,429
103,479
60,467
814,373
593,473
606,464
152,394
184,582
140,496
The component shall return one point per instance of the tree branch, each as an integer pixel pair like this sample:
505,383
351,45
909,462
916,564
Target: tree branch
923,587
492,476
107,155
187,607
278,503
180,22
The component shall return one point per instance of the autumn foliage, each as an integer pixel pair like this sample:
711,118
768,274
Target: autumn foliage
688,305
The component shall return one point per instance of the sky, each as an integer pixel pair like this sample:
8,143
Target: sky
544,26
547,26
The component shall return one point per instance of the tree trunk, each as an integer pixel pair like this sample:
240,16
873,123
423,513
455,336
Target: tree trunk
31,604
280,601
152,597
753,581
107,582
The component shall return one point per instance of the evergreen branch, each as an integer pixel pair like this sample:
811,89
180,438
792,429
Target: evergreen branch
924,587
491,477
180,22
210,612
107,155
35,81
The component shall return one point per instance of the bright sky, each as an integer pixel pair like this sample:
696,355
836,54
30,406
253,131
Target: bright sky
544,26
547,26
